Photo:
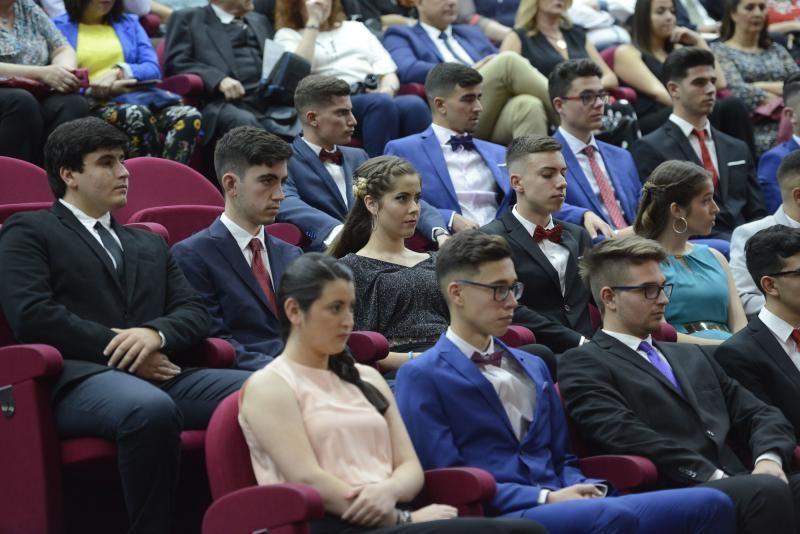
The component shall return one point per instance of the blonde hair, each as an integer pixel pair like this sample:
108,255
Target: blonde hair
527,12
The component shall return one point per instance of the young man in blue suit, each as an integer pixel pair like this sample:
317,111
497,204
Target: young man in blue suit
234,264
600,177
319,189
472,401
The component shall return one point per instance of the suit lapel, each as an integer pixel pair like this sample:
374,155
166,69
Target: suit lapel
276,263
723,158
575,176
229,249
683,379
500,179
769,345
430,145
304,153
219,37
569,241
257,26
526,242
674,132
347,170
130,258
422,37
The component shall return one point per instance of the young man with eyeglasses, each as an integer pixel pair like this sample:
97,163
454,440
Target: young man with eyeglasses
672,403
600,177
473,401
765,356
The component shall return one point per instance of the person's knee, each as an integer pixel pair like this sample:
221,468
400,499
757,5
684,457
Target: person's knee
381,103
528,115
155,415
22,104
615,518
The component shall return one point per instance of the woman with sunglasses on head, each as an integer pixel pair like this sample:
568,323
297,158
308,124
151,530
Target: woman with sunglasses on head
677,203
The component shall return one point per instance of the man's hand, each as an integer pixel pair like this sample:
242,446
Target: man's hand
433,512
595,225
157,367
231,89
101,87
59,78
129,348
373,505
768,467
576,491
441,239
461,223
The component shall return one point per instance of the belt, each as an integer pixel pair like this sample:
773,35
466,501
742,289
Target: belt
705,325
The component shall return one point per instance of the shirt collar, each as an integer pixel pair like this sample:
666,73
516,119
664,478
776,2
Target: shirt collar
632,342
443,134
85,219
575,145
466,348
687,128
242,236
433,33
528,225
223,16
792,222
317,149
778,326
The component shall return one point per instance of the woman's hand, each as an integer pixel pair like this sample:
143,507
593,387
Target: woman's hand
373,506
102,87
123,86
434,512
316,12
685,36
59,78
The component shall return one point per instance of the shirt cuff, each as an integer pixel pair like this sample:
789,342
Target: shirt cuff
435,229
333,234
582,341
543,496
717,475
126,69
770,456
164,342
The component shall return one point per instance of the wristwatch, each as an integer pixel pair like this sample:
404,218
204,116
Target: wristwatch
403,517
437,232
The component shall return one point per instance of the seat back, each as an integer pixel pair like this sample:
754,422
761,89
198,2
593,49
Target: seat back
162,182
21,182
667,332
608,56
227,454
180,221
289,233
517,336
7,210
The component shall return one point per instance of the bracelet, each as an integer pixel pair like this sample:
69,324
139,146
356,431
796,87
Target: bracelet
312,27
411,355
403,517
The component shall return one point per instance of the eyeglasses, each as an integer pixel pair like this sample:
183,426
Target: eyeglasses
785,273
501,292
588,98
651,291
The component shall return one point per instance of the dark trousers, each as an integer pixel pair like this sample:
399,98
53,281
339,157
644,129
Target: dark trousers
145,420
25,122
479,525
382,118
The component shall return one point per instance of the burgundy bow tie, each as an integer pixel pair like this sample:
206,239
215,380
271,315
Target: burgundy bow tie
554,234
334,157
488,359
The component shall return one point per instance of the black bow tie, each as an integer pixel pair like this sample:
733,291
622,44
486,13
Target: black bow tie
464,141
488,359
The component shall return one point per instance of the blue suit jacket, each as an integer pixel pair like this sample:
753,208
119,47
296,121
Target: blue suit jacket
622,173
415,54
455,418
137,49
214,265
768,173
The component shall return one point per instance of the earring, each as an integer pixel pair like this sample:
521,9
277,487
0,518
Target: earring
685,225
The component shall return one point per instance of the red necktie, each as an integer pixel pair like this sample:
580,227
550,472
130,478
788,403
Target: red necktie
334,157
554,234
796,337
262,274
606,193
708,163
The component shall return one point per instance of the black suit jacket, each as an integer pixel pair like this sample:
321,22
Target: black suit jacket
623,405
58,286
542,286
739,194
755,358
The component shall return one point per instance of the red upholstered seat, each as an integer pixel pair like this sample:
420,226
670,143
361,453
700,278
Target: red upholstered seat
22,182
180,221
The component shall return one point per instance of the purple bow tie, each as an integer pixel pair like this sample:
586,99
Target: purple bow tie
488,359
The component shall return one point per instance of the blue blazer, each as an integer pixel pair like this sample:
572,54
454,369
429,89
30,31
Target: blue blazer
474,430
217,269
415,54
768,173
137,50
622,173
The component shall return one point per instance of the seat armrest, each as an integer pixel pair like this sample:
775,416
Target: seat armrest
626,473
262,508
25,362
368,347
624,93
466,488
796,457
412,89
152,227
213,352
184,84
517,336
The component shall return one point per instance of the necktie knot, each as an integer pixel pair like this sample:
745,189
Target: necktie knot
334,157
255,245
796,338
589,151
487,359
700,134
465,142
554,234
705,155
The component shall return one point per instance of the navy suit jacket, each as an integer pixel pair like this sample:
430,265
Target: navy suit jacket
621,171
415,54
215,266
768,173
476,432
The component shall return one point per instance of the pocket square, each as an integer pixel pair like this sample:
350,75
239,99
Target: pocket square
735,163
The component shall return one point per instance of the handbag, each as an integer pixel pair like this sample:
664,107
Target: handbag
281,72
153,97
768,112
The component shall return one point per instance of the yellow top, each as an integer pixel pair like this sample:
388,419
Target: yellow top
98,49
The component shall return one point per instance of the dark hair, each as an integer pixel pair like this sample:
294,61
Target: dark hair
564,74
728,26
677,65
465,252
304,281
288,14
71,141
519,148
672,181
75,10
375,177
791,88
641,29
444,77
767,249
316,91
789,172
246,146
606,264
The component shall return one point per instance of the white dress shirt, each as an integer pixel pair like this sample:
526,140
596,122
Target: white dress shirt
243,238
88,222
556,253
687,129
473,181
782,332
447,57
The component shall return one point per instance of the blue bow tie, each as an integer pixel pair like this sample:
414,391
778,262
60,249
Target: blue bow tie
464,141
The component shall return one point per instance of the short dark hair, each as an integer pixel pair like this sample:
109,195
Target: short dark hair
791,88
519,148
465,252
316,90
71,141
789,172
75,9
680,60
246,146
564,74
767,249
444,77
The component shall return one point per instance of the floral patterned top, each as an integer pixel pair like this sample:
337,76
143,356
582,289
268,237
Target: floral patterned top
33,39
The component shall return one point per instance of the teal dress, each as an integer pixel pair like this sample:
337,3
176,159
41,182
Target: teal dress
699,293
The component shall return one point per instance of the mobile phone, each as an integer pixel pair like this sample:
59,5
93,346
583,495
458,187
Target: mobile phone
83,77
142,84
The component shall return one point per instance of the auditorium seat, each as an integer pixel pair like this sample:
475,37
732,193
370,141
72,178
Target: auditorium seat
666,333
621,92
22,182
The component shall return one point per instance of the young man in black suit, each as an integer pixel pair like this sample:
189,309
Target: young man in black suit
545,250
765,356
118,308
671,402
688,135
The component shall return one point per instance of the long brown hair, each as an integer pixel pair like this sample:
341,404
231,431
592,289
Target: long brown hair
289,14
728,26
641,27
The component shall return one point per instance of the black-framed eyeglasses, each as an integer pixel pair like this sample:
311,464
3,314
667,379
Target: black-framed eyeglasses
590,97
501,292
650,291
785,273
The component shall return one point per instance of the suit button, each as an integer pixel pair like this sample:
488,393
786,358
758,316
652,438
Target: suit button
710,434
567,308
